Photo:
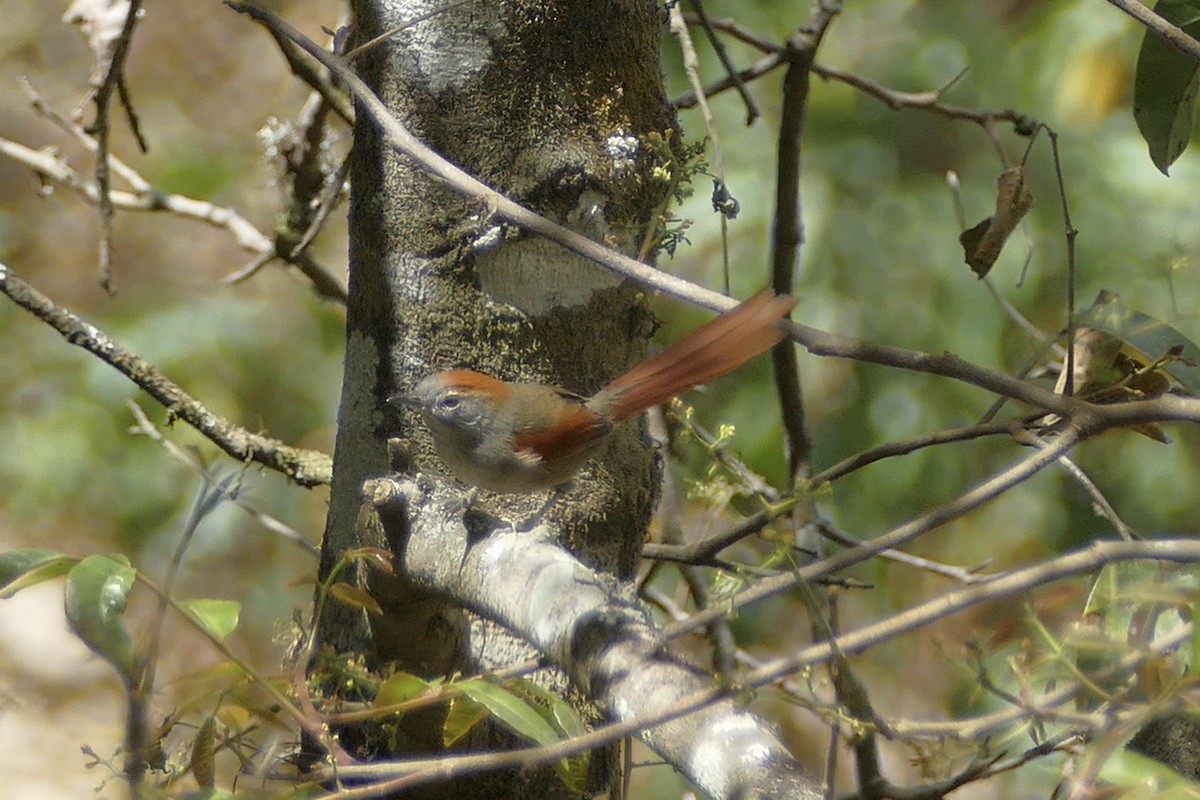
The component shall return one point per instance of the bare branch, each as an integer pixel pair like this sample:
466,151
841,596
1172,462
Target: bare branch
752,112
113,76
305,467
1160,27
691,67
969,500
787,236
1090,559
145,197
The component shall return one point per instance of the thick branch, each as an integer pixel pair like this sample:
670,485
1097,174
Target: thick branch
593,627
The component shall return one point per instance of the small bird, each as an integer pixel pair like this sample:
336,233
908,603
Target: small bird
526,437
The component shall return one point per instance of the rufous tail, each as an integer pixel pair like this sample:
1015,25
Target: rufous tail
713,349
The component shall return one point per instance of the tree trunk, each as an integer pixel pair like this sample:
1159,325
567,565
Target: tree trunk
561,107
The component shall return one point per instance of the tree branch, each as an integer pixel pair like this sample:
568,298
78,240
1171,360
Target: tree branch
1090,559
1160,27
306,467
969,500
592,626
816,341
145,197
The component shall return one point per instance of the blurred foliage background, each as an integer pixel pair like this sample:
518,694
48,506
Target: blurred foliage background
881,261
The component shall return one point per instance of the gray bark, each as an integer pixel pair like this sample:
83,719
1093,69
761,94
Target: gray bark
593,626
560,106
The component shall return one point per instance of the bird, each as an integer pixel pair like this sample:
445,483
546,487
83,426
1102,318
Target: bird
513,437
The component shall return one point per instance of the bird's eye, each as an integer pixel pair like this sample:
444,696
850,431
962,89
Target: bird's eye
450,402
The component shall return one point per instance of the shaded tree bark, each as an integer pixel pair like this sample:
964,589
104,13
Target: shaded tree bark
560,106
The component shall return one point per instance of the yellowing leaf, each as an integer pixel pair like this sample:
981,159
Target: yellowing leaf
354,597
234,716
377,556
463,715
1093,83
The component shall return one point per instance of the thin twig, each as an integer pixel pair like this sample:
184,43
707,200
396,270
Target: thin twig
144,427
906,446
1098,499
718,47
818,342
703,552
669,513
720,450
971,499
374,42
1160,27
737,31
135,124
925,101
787,236
1042,707
1090,559
145,197
100,128
316,80
1070,233
691,68
142,685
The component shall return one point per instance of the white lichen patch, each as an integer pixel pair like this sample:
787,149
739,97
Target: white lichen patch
622,149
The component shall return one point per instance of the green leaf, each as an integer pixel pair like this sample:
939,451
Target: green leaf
1122,589
218,617
554,709
20,569
1151,338
1146,777
463,715
1166,85
97,588
572,770
398,688
513,711
1132,603
1194,667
